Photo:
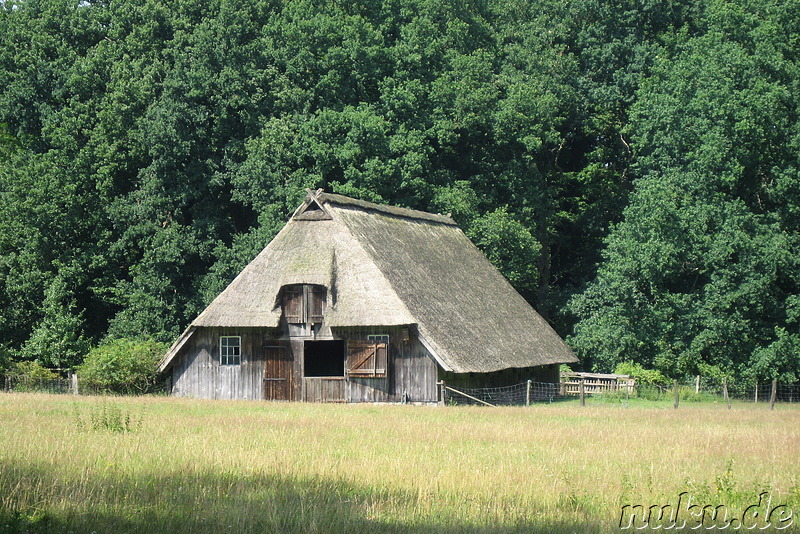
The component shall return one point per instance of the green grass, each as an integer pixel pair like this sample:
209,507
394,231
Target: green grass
153,465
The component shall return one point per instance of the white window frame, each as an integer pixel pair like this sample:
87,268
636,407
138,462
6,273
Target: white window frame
381,338
230,354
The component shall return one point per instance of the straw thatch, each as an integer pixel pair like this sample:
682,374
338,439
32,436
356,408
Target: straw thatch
392,266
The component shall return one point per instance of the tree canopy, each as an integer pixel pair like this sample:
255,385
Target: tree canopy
631,166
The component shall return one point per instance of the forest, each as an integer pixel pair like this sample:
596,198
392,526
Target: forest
631,166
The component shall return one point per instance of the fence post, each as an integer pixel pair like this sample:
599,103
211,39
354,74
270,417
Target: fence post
441,393
774,395
677,394
562,386
528,394
583,394
755,398
697,385
725,392
73,382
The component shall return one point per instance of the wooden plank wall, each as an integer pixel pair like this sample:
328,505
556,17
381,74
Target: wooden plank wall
197,372
411,369
322,389
296,346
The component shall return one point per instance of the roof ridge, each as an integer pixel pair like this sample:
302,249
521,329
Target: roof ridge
406,213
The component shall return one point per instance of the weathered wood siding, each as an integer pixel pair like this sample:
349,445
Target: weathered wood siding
197,371
411,369
297,368
323,389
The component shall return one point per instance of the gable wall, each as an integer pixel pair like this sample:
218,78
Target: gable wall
197,373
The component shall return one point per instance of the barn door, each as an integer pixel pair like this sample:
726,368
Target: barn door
277,372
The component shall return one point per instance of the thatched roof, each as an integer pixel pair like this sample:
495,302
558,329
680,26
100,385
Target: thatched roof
393,266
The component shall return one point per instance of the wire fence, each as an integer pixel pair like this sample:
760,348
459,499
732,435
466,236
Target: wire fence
27,384
753,392
518,394
68,384
526,393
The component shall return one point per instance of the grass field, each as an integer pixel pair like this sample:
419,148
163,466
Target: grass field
163,465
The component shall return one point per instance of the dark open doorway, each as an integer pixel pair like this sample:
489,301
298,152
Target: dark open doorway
323,358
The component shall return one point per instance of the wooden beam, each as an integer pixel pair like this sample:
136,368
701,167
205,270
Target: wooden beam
469,396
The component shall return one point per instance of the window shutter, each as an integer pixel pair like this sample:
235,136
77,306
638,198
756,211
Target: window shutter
366,359
293,304
316,304
381,357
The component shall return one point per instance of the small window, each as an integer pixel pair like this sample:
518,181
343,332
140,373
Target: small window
230,350
368,359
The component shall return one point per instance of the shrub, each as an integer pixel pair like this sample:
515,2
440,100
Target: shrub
124,366
32,371
644,377
30,376
688,394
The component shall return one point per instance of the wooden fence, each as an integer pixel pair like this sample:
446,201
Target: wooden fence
594,383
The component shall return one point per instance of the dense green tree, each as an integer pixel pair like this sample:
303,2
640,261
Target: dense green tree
703,269
636,156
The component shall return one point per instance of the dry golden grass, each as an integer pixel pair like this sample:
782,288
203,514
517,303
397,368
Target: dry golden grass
215,466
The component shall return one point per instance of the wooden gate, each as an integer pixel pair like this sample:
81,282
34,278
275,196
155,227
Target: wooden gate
277,372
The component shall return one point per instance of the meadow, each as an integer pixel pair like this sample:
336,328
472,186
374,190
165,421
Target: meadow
165,465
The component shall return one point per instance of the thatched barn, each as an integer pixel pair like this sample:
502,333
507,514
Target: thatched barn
358,302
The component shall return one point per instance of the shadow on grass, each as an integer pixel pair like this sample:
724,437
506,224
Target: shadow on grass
35,499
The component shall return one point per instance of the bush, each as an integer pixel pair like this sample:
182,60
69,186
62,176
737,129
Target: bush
644,377
687,394
31,376
31,371
124,366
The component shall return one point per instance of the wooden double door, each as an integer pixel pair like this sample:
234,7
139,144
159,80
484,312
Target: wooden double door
278,364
